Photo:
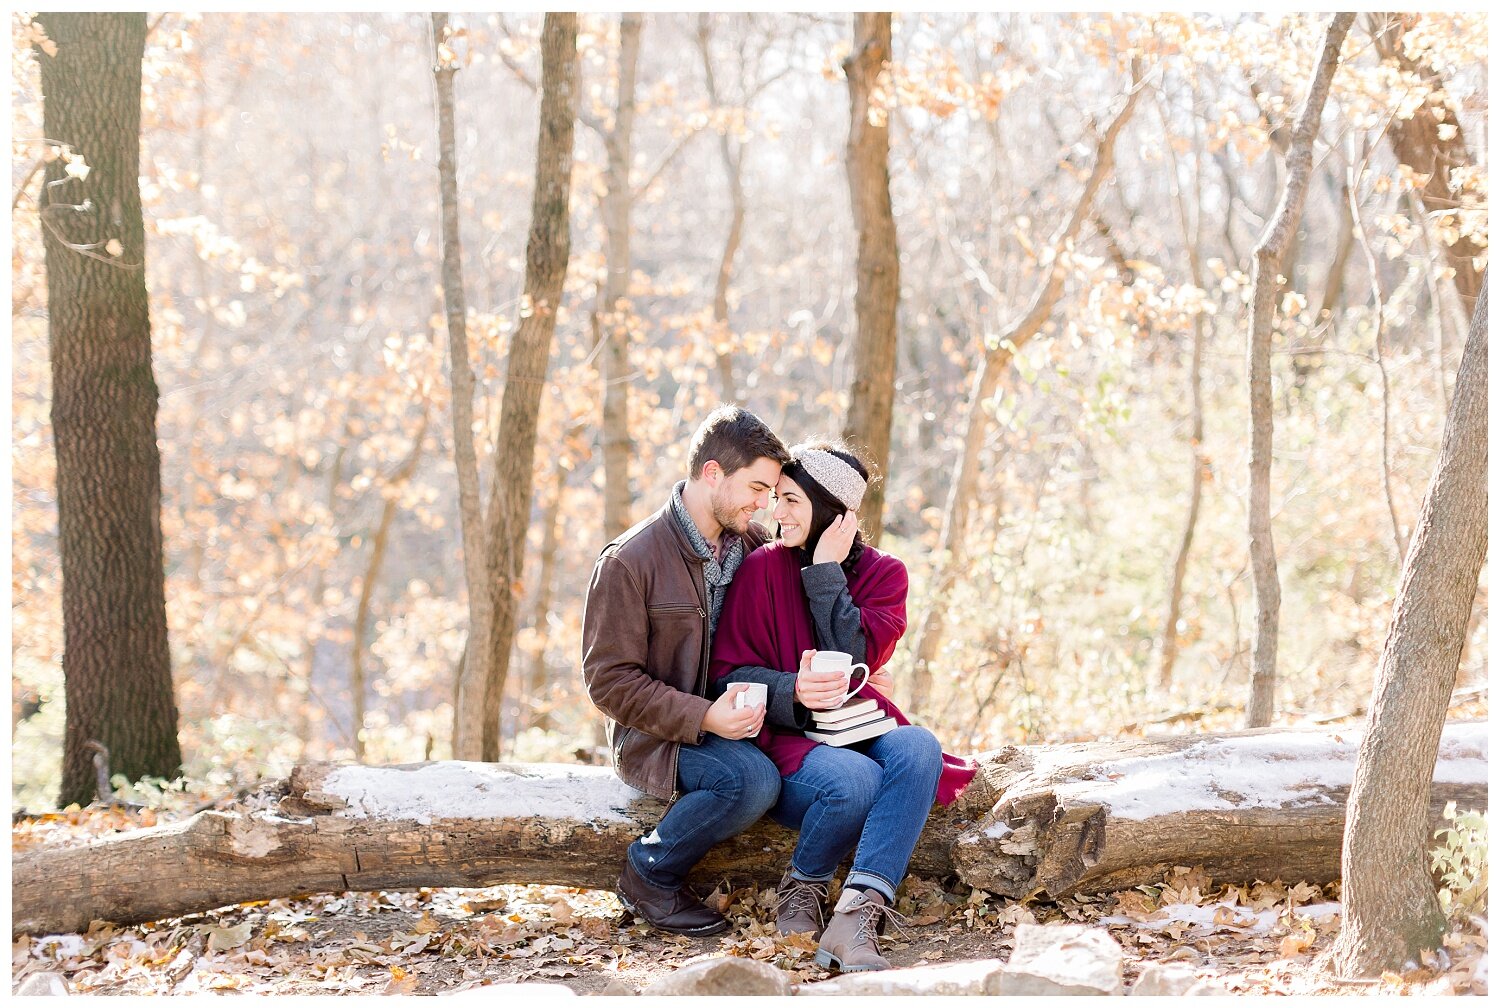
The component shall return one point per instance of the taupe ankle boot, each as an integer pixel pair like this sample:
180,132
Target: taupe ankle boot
849,944
799,905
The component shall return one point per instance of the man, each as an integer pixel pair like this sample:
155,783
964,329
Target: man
648,620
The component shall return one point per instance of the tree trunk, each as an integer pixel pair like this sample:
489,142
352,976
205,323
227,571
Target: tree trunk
1268,258
1310,354
1438,315
1377,289
1333,284
731,151
474,670
963,489
1391,912
378,545
303,725
526,365
1140,807
1192,237
116,664
1263,804
614,312
536,678
872,391
1420,144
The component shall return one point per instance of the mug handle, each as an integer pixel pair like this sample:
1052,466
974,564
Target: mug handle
850,693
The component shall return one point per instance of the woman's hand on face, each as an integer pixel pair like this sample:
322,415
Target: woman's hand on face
837,538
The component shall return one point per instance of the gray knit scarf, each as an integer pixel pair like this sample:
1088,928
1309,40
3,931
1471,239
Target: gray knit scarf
716,573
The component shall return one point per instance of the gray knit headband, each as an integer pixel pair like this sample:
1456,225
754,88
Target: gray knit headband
833,474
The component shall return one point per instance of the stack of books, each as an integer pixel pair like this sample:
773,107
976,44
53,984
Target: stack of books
857,720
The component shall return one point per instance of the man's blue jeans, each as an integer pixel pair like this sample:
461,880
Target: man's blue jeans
726,785
876,794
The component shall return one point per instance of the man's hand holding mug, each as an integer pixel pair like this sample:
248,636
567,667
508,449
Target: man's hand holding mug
728,719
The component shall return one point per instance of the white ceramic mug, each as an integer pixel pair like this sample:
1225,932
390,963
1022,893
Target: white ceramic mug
753,695
840,661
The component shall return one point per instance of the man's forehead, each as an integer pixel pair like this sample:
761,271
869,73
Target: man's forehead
765,471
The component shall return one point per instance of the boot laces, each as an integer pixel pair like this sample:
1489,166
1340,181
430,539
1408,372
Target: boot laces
870,916
800,896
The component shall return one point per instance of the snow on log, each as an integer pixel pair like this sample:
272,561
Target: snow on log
1086,817
342,828
1262,804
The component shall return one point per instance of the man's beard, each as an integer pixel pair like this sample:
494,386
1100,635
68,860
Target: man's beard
732,519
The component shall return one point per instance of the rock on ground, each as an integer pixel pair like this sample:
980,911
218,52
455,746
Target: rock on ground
42,984
524,993
977,977
720,976
1063,959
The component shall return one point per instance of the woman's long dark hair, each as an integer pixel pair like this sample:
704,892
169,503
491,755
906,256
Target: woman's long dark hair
825,506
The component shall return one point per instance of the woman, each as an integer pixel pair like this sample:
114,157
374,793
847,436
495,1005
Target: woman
820,587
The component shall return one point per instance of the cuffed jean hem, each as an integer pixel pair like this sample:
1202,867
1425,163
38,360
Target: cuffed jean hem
872,881
802,876
645,871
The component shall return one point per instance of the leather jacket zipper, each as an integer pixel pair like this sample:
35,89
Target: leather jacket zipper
677,750
699,683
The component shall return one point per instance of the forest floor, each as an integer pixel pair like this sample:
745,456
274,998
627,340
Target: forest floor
1260,939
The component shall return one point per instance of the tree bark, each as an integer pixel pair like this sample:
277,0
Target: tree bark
613,312
872,391
116,664
474,670
547,250
1016,829
1420,144
1265,285
1391,912
951,556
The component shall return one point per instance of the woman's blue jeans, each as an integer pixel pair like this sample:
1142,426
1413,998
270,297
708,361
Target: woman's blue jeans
875,794
726,785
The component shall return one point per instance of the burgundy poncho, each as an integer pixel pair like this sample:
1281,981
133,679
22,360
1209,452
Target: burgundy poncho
766,623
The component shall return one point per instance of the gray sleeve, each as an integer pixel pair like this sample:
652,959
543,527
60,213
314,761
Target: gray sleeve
782,708
835,616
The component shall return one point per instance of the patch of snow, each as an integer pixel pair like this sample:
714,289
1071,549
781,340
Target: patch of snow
1317,911
128,949
456,790
1480,971
66,946
1274,770
1238,918
999,831
1464,755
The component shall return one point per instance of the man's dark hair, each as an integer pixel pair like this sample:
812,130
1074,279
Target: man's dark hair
734,438
825,506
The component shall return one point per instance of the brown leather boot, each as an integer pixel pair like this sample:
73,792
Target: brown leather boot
675,910
849,944
799,905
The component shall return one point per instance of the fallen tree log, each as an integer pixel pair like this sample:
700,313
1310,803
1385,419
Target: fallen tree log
331,828
1262,804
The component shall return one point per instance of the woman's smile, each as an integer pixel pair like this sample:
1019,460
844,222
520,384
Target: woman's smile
792,512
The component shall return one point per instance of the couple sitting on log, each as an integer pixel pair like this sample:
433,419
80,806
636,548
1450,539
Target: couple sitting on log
722,660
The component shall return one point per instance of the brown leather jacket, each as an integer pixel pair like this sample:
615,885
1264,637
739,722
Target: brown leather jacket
645,648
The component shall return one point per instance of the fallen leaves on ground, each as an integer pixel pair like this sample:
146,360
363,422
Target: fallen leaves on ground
1260,938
